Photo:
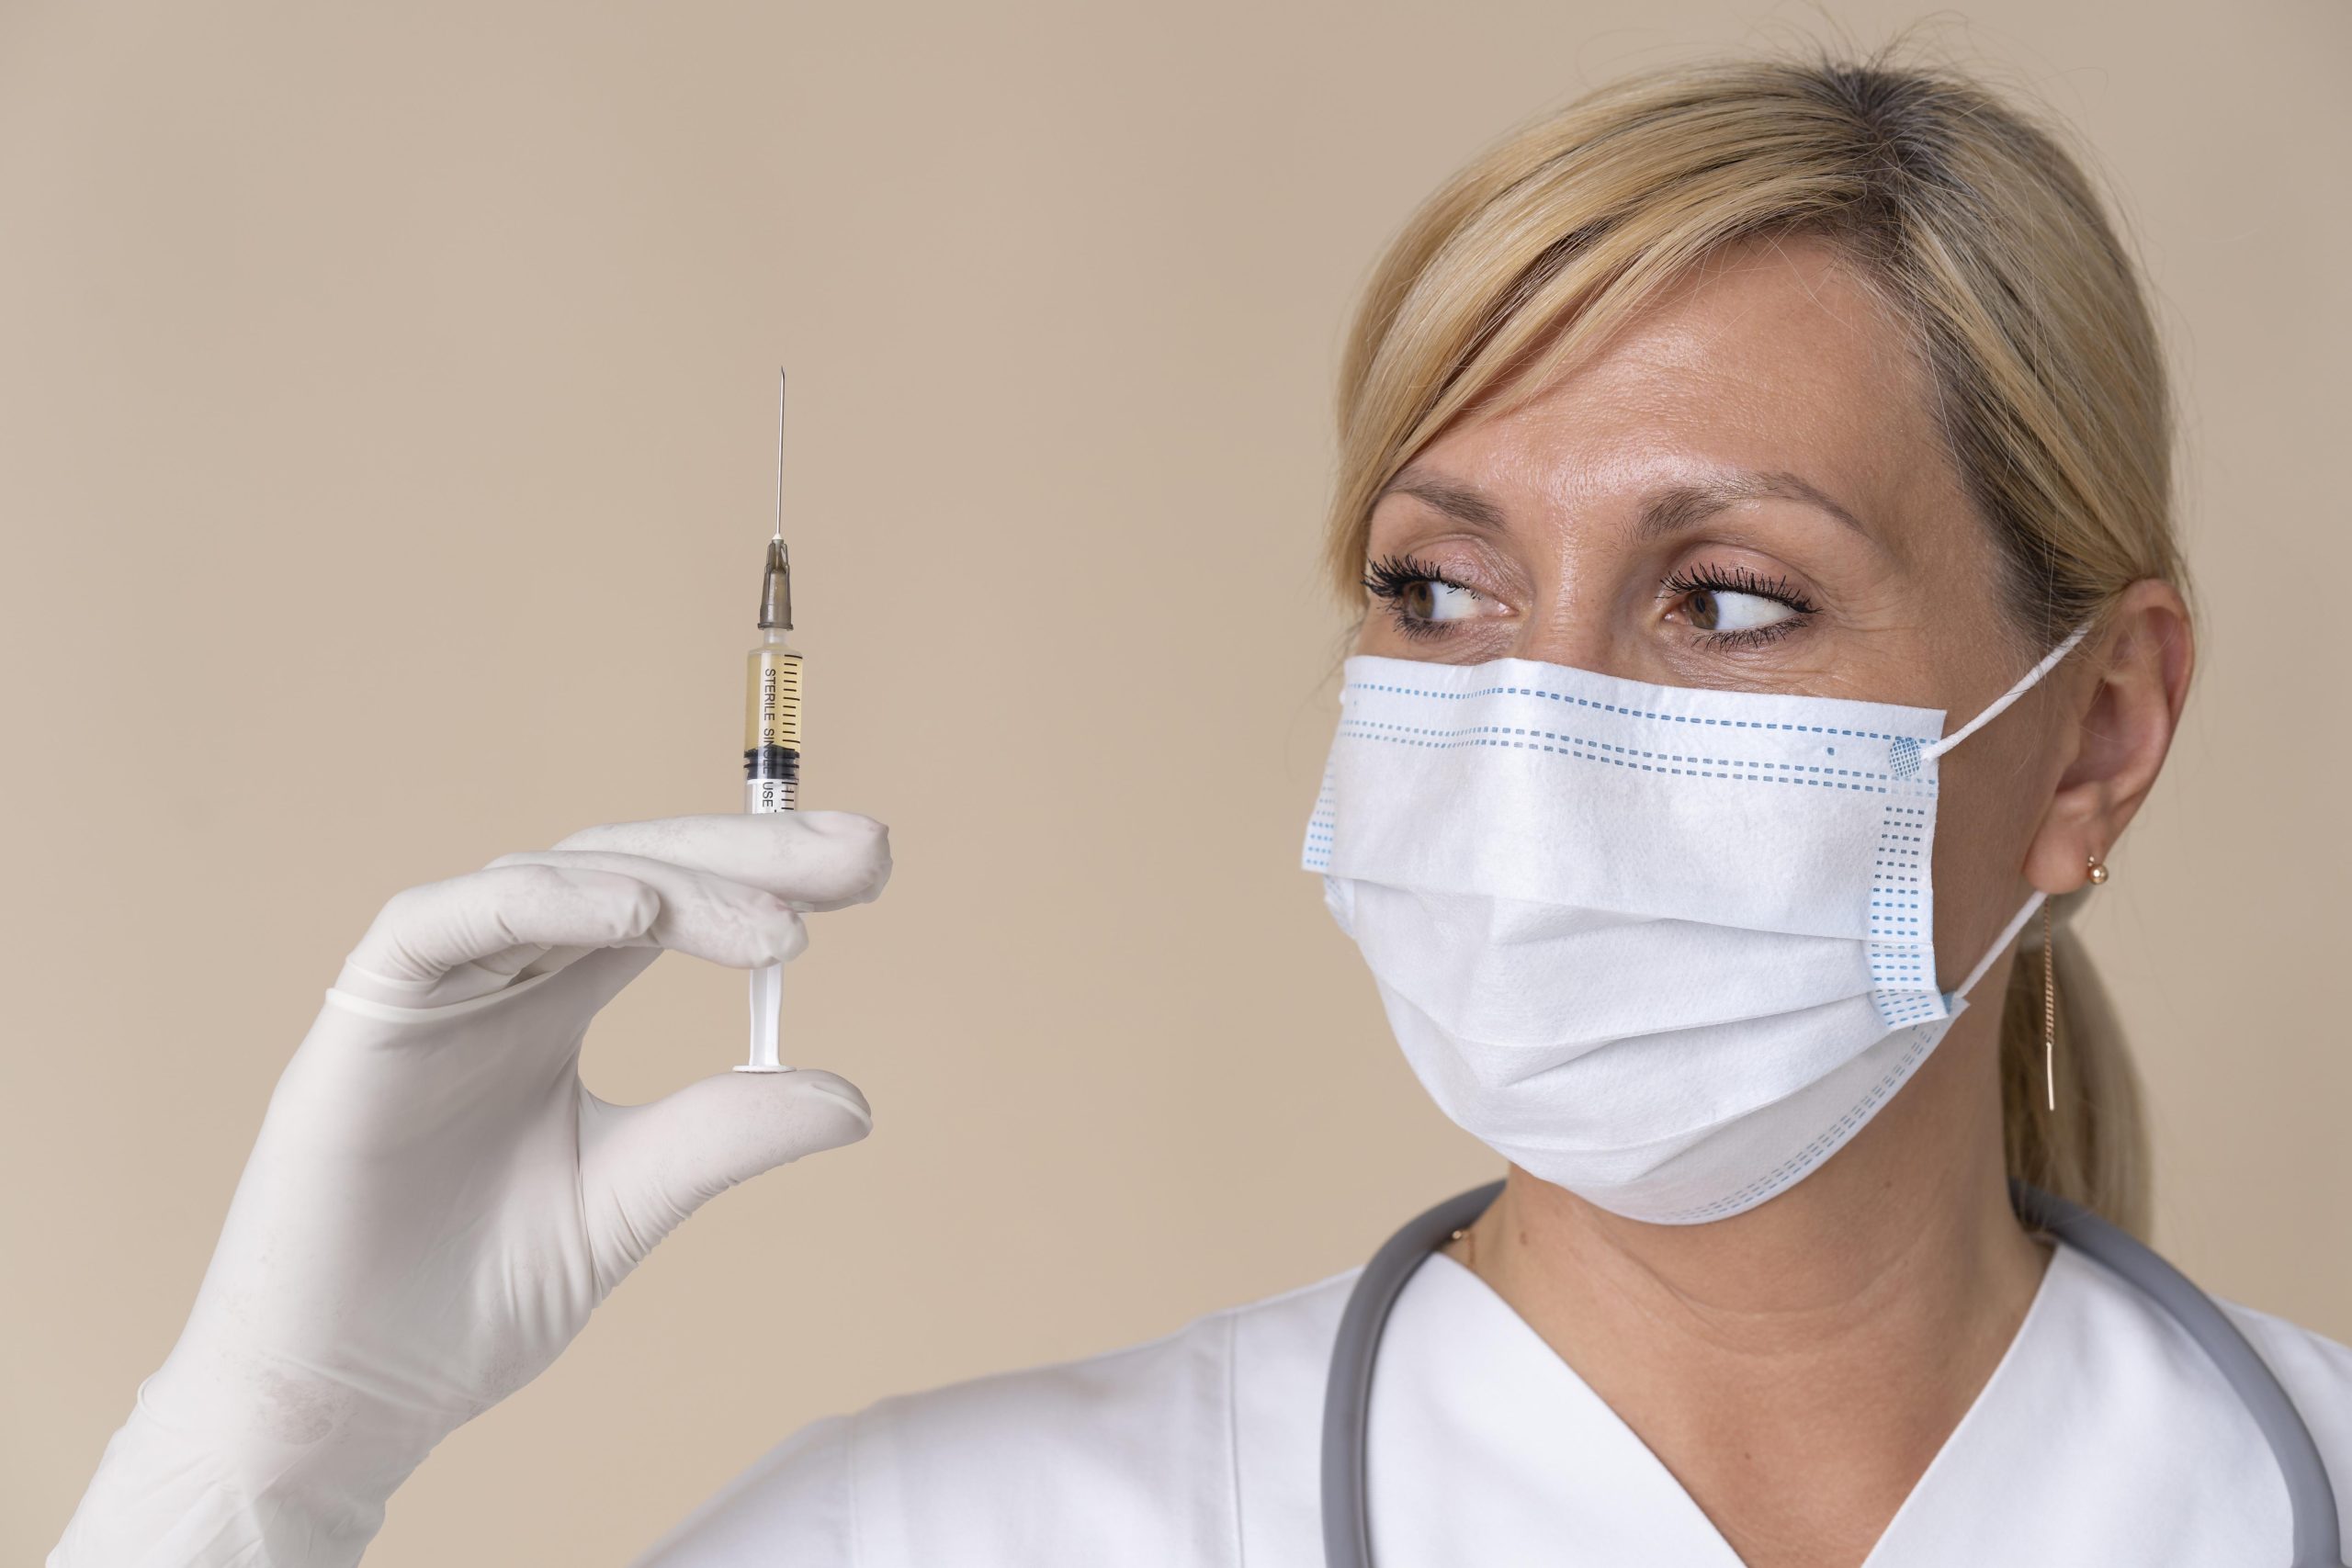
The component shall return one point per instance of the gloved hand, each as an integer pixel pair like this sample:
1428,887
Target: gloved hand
436,1203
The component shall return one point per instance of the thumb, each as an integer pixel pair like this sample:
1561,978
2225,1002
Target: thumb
643,1168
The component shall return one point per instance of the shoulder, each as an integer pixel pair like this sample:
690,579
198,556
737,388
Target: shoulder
2316,1372
2157,1371
1135,1456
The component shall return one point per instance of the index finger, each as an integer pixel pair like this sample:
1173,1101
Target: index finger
813,859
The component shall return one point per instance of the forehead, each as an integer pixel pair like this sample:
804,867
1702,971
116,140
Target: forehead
1774,355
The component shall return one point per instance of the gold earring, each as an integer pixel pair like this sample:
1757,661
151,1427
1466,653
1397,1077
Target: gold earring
2050,1003
2099,871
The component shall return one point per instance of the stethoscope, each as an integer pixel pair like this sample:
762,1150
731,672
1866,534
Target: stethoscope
1347,1396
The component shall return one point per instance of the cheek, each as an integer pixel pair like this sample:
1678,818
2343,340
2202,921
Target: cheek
1987,811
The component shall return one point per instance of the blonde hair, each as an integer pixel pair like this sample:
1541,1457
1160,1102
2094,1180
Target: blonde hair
1980,231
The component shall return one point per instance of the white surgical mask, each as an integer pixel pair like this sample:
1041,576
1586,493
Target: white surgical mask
1668,948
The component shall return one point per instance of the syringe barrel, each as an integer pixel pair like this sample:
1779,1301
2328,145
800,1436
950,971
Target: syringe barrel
772,727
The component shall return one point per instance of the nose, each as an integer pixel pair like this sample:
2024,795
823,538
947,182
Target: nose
1569,621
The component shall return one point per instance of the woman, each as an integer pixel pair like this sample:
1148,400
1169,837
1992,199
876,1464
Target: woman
1756,483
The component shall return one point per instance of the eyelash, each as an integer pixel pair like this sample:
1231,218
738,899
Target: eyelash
1708,578
1387,579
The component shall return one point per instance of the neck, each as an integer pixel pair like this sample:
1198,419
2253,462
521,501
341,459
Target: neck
1797,1366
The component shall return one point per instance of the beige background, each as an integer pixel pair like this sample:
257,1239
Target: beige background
384,450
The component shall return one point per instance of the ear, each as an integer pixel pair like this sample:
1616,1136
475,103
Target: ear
2118,727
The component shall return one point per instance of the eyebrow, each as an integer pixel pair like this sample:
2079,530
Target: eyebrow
1667,511
1680,506
1459,501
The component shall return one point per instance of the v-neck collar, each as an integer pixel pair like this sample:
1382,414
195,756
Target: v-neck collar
1457,1359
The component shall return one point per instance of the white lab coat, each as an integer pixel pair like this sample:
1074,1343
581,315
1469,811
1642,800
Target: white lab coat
2104,1438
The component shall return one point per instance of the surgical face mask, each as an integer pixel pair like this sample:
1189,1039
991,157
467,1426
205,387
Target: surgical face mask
1665,947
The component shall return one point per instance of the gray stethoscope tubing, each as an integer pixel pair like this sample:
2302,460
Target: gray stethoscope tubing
1347,1396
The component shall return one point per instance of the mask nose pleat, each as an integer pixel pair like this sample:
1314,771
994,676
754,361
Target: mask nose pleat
1771,848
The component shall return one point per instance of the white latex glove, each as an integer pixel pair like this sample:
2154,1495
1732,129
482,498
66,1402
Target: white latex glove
436,1203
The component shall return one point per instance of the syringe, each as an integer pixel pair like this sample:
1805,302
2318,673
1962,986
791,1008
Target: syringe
772,742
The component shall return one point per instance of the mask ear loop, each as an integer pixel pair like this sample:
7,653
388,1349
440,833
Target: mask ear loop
2000,704
1993,711
2000,945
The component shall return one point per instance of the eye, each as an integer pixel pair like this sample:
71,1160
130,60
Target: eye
1725,610
1735,605
1433,600
1419,597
